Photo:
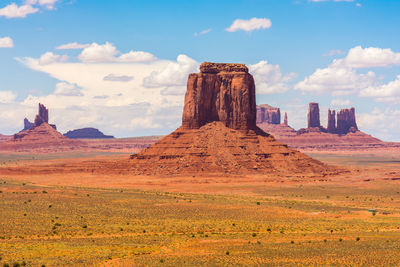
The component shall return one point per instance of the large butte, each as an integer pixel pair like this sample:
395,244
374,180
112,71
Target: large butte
219,133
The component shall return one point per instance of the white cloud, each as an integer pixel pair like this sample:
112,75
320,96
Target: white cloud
250,25
7,96
389,92
202,32
137,56
337,102
107,52
338,81
14,11
341,76
6,42
48,4
106,96
51,58
175,74
67,89
382,122
73,45
98,53
370,57
269,78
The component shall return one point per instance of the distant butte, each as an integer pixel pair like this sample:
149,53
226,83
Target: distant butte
219,133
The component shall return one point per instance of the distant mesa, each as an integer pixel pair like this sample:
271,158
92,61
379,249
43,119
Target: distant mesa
219,133
341,133
268,114
87,133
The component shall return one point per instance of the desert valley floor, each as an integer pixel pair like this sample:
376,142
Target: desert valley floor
67,209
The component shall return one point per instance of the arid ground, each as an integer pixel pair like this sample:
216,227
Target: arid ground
66,209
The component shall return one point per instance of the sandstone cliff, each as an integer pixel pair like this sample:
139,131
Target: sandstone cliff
313,116
220,92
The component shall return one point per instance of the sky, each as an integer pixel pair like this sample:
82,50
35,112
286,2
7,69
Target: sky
121,66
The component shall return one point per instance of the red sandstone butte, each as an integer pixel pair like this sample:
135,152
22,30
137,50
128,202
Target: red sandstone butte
313,115
268,114
220,92
219,133
331,121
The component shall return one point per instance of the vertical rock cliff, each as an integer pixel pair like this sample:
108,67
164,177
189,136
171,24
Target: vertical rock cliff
313,116
331,121
268,114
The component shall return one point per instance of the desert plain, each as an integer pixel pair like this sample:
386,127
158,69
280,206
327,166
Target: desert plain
67,209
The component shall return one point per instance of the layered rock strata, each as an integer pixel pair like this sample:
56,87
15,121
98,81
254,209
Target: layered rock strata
219,133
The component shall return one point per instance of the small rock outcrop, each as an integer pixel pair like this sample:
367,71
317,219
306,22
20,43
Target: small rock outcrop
87,133
268,114
331,121
27,124
285,120
313,116
220,92
346,121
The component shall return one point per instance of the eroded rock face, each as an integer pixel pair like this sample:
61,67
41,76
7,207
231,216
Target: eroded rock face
268,114
346,121
285,121
87,133
27,124
42,116
331,121
220,92
313,116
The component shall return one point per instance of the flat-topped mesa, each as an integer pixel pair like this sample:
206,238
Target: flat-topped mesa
208,67
268,114
220,92
42,116
346,121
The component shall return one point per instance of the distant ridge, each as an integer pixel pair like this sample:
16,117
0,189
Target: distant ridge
87,133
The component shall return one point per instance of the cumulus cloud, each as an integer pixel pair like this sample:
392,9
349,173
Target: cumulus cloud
370,57
269,78
105,53
175,74
336,80
6,42
250,25
105,95
73,45
337,102
389,92
67,89
341,76
382,122
7,96
115,78
51,58
14,11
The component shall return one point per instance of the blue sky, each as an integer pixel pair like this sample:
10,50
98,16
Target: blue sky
128,76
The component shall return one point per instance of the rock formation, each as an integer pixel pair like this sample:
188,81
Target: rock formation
220,92
42,116
27,124
268,114
219,135
313,116
346,121
331,121
87,133
285,121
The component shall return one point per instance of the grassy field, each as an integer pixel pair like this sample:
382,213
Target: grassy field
279,225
